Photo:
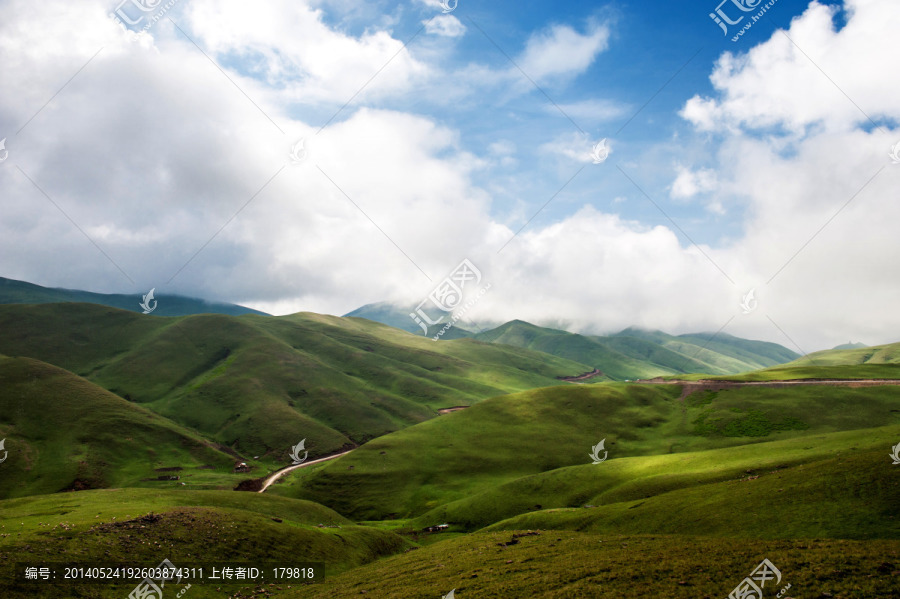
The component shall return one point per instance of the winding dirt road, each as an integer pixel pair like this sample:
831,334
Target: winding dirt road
269,480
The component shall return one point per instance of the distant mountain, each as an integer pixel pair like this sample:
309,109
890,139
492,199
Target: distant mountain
388,314
634,353
612,363
20,292
630,354
851,345
399,318
712,353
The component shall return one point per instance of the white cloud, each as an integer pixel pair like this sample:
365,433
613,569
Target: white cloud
781,83
445,26
573,146
689,183
591,111
561,51
797,182
289,46
503,150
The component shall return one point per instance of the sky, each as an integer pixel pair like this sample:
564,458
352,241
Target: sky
319,155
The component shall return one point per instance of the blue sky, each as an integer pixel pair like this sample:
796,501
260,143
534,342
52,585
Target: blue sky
160,157
659,55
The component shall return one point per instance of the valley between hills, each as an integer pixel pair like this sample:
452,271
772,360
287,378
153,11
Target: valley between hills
454,465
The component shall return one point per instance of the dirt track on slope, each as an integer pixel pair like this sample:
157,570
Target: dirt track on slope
691,387
270,480
581,377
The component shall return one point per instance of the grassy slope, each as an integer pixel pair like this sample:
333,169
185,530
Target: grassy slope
192,527
837,485
461,454
260,384
570,565
881,361
62,431
852,495
411,471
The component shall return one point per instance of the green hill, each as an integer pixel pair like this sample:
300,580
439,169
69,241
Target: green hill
65,433
132,526
850,345
838,486
711,353
613,364
878,362
636,354
879,354
699,481
408,473
21,292
260,384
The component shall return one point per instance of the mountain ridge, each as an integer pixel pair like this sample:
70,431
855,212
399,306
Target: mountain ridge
13,291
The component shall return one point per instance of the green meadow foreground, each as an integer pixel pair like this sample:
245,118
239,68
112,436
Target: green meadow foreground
123,432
